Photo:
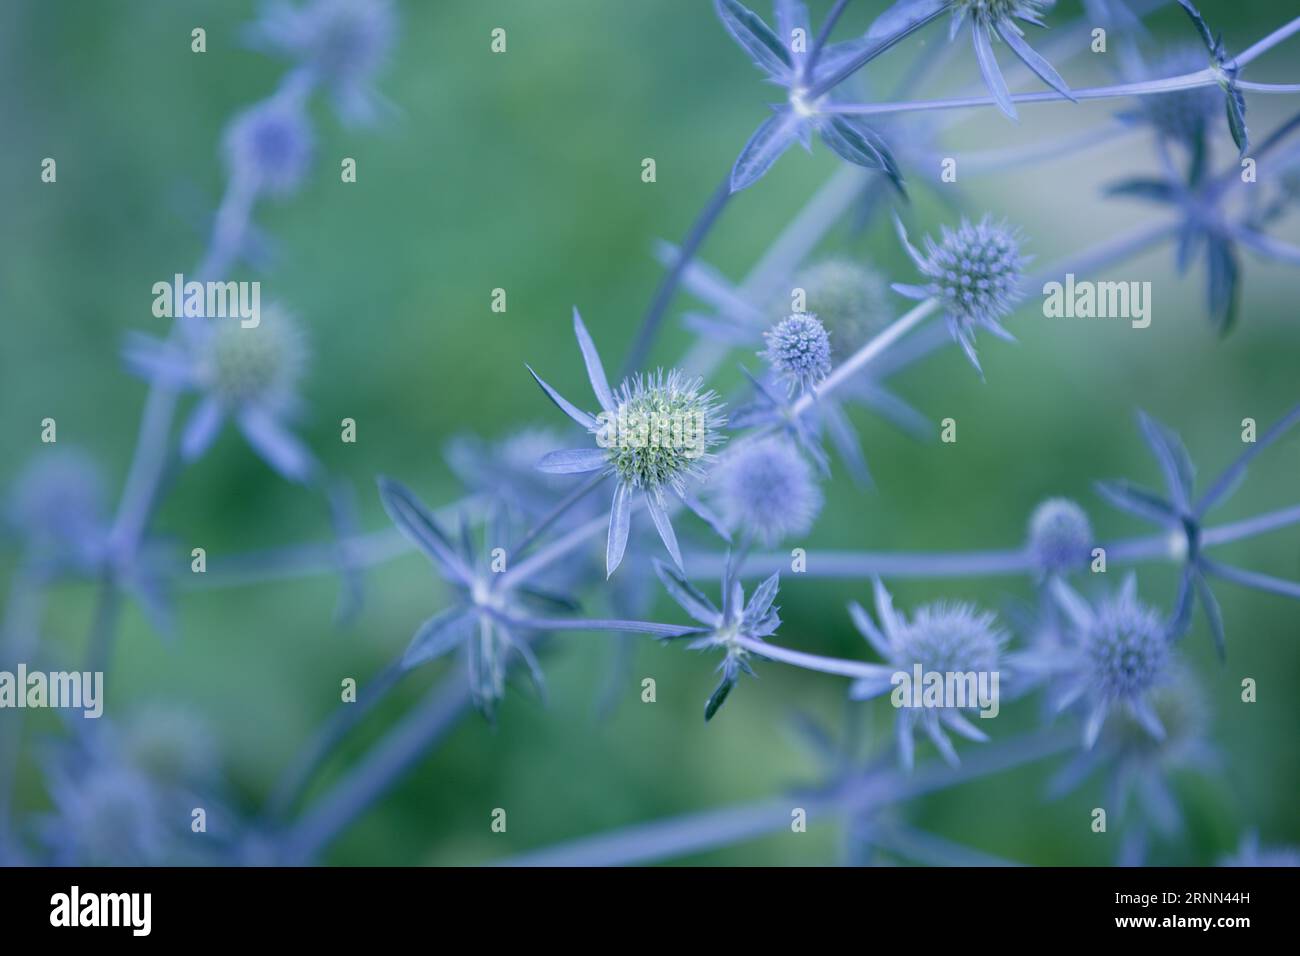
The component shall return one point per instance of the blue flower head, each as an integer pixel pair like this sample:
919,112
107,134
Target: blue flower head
653,436
246,374
799,351
975,272
1060,537
1120,656
342,43
765,487
738,628
269,146
941,638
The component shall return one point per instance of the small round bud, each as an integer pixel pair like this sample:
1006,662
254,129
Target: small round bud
799,350
269,146
1060,537
766,487
850,300
975,270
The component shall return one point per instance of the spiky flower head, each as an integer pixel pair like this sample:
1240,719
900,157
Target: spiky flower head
269,146
850,300
1060,536
255,364
767,488
975,270
943,638
799,350
661,430
1183,115
1121,655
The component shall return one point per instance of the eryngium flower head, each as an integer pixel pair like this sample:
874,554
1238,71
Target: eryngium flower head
975,271
343,43
269,146
765,487
1183,115
849,299
1120,656
652,435
661,430
799,350
943,638
246,374
1060,537
57,504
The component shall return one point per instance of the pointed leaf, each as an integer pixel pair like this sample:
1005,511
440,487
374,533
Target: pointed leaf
417,523
1156,190
857,143
1235,104
573,461
1201,27
1129,497
688,596
719,696
1212,614
579,416
904,17
770,140
438,635
620,521
1223,275
659,515
992,73
758,40
590,357
1032,58
1175,464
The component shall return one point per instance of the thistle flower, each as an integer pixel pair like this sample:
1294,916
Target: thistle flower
766,488
653,436
726,629
57,505
975,271
341,43
1060,537
799,351
940,638
248,374
1120,656
269,146
998,17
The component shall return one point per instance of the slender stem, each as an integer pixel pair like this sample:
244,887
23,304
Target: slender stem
386,763
823,35
294,780
855,362
1270,41
858,62
694,833
1186,81
569,500
1251,527
653,318
1090,260
1268,87
553,552
812,662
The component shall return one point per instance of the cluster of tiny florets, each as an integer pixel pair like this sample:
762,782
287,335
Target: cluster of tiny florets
850,300
975,270
257,363
665,425
766,487
799,350
1126,649
950,637
270,146
1060,536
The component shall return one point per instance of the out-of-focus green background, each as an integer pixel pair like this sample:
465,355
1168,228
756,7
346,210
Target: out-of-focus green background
522,171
